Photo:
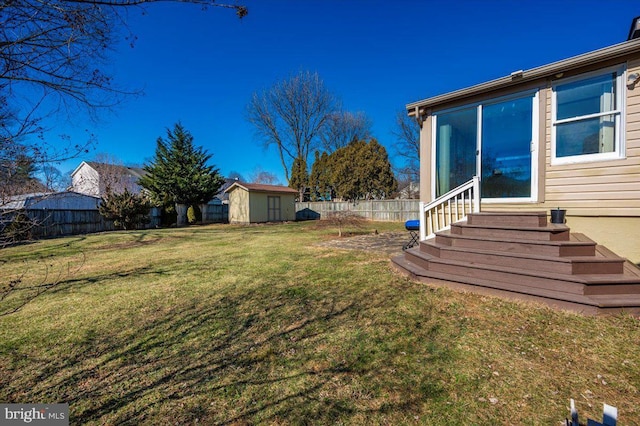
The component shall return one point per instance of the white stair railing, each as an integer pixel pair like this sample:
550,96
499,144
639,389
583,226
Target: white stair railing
452,207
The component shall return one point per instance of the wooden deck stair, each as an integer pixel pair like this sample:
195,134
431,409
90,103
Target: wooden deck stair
521,255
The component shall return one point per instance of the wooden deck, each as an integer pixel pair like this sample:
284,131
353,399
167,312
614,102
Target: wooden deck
522,256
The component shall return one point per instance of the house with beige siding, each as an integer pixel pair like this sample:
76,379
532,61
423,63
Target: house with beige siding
495,160
259,203
564,135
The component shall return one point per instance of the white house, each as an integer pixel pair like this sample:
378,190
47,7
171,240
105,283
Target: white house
93,178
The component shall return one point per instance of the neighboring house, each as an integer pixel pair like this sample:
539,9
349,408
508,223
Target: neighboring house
256,203
222,197
408,190
565,135
94,178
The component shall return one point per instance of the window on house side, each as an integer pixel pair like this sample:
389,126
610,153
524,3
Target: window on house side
587,114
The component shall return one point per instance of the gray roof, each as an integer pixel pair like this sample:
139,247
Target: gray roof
66,200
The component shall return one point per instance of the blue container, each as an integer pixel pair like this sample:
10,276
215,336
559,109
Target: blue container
412,225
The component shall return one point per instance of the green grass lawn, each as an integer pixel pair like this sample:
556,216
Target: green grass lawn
225,324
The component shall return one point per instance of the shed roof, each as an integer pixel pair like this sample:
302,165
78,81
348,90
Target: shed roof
260,187
521,77
54,200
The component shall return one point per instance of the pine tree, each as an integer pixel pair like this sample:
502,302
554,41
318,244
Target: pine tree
179,172
299,177
380,181
320,178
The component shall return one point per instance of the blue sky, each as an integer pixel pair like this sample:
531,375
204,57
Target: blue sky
201,67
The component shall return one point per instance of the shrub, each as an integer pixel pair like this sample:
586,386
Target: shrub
194,214
18,229
127,210
344,219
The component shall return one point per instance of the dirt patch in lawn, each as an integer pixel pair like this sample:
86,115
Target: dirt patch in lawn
388,242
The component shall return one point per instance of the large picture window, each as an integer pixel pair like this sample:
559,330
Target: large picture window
586,115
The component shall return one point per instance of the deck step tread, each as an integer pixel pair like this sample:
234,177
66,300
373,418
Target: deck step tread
599,257
590,300
581,279
550,227
585,241
631,269
522,255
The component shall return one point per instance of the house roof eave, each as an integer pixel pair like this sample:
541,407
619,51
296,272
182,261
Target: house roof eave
79,167
521,77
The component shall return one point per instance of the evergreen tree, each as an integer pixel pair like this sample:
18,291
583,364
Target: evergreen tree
345,171
180,173
17,176
299,177
380,181
361,170
126,209
320,178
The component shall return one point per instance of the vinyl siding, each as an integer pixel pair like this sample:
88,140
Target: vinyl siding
600,188
86,181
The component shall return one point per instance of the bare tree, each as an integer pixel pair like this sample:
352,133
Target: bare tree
53,57
343,127
407,133
53,179
265,177
343,220
114,176
291,116
56,48
408,183
26,283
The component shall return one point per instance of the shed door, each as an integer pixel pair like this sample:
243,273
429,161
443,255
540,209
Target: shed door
273,213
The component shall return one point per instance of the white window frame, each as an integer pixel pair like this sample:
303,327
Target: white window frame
618,113
535,143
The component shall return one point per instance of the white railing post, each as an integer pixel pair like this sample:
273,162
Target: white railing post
423,222
433,215
476,194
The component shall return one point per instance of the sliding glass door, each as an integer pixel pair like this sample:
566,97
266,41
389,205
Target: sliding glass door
506,146
456,146
493,140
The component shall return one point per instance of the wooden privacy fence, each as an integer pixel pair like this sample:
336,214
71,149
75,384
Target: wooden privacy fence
215,213
54,223
380,210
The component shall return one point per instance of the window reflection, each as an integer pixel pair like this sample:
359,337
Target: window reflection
506,148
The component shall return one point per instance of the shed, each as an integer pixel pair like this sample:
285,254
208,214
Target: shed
256,203
93,178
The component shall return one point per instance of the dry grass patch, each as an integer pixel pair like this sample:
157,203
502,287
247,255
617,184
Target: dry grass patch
244,325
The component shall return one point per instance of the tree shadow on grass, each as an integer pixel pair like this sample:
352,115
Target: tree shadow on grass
240,359
15,294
